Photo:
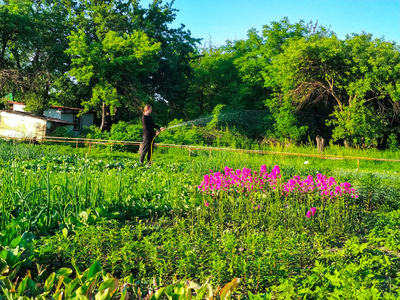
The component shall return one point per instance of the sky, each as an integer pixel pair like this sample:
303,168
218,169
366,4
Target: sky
221,20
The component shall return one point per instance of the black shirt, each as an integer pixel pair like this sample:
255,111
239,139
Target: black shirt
149,125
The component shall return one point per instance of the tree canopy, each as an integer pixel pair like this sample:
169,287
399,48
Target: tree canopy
115,56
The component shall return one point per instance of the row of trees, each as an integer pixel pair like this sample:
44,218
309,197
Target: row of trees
115,55
311,82
111,56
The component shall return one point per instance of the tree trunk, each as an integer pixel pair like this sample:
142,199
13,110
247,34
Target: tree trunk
103,117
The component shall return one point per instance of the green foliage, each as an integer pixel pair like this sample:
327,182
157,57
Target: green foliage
358,124
344,74
153,224
114,56
63,132
286,125
134,52
208,135
123,131
96,283
15,251
215,117
94,132
107,62
393,142
217,80
385,232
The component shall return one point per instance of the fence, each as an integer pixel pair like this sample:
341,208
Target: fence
190,148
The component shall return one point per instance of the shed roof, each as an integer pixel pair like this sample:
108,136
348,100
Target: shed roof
55,107
31,115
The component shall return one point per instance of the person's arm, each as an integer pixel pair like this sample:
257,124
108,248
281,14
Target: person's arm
158,127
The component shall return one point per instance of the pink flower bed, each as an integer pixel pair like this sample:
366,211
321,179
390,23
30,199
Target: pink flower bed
248,181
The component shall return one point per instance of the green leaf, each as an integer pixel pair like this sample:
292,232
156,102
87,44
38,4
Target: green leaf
124,291
65,232
103,295
111,283
49,282
70,287
22,286
159,293
94,269
15,242
63,272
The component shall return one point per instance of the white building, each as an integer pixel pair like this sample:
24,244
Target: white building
68,114
23,125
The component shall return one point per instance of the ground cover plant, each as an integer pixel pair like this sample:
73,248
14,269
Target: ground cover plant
286,226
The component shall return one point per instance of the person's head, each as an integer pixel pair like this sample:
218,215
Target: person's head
147,110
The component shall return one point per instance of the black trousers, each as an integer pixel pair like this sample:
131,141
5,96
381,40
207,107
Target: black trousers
147,147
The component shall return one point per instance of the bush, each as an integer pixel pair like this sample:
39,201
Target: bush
63,132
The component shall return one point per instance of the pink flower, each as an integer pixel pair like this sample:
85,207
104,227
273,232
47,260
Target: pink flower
207,204
313,210
308,214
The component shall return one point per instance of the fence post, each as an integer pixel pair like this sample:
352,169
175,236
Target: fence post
358,163
189,151
320,144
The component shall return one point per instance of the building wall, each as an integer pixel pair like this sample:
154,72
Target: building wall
87,120
53,113
24,127
19,107
67,117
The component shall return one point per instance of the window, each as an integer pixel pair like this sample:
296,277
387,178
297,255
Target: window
77,122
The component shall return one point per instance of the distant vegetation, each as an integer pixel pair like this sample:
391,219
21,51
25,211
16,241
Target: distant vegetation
114,56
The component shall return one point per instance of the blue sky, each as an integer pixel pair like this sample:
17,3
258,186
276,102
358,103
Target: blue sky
220,20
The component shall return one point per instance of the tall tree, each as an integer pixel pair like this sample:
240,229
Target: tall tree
356,77
236,73
164,80
170,82
33,41
108,63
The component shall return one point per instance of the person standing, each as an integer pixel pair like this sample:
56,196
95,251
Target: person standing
149,134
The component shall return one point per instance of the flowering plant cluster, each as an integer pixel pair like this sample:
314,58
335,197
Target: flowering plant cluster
240,180
325,186
246,180
311,212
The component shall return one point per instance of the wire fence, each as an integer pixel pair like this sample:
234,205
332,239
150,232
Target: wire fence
190,148
89,142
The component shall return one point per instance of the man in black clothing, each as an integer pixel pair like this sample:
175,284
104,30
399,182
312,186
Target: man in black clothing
149,133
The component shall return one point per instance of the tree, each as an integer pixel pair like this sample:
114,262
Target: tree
163,81
33,39
169,83
357,77
107,62
217,81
